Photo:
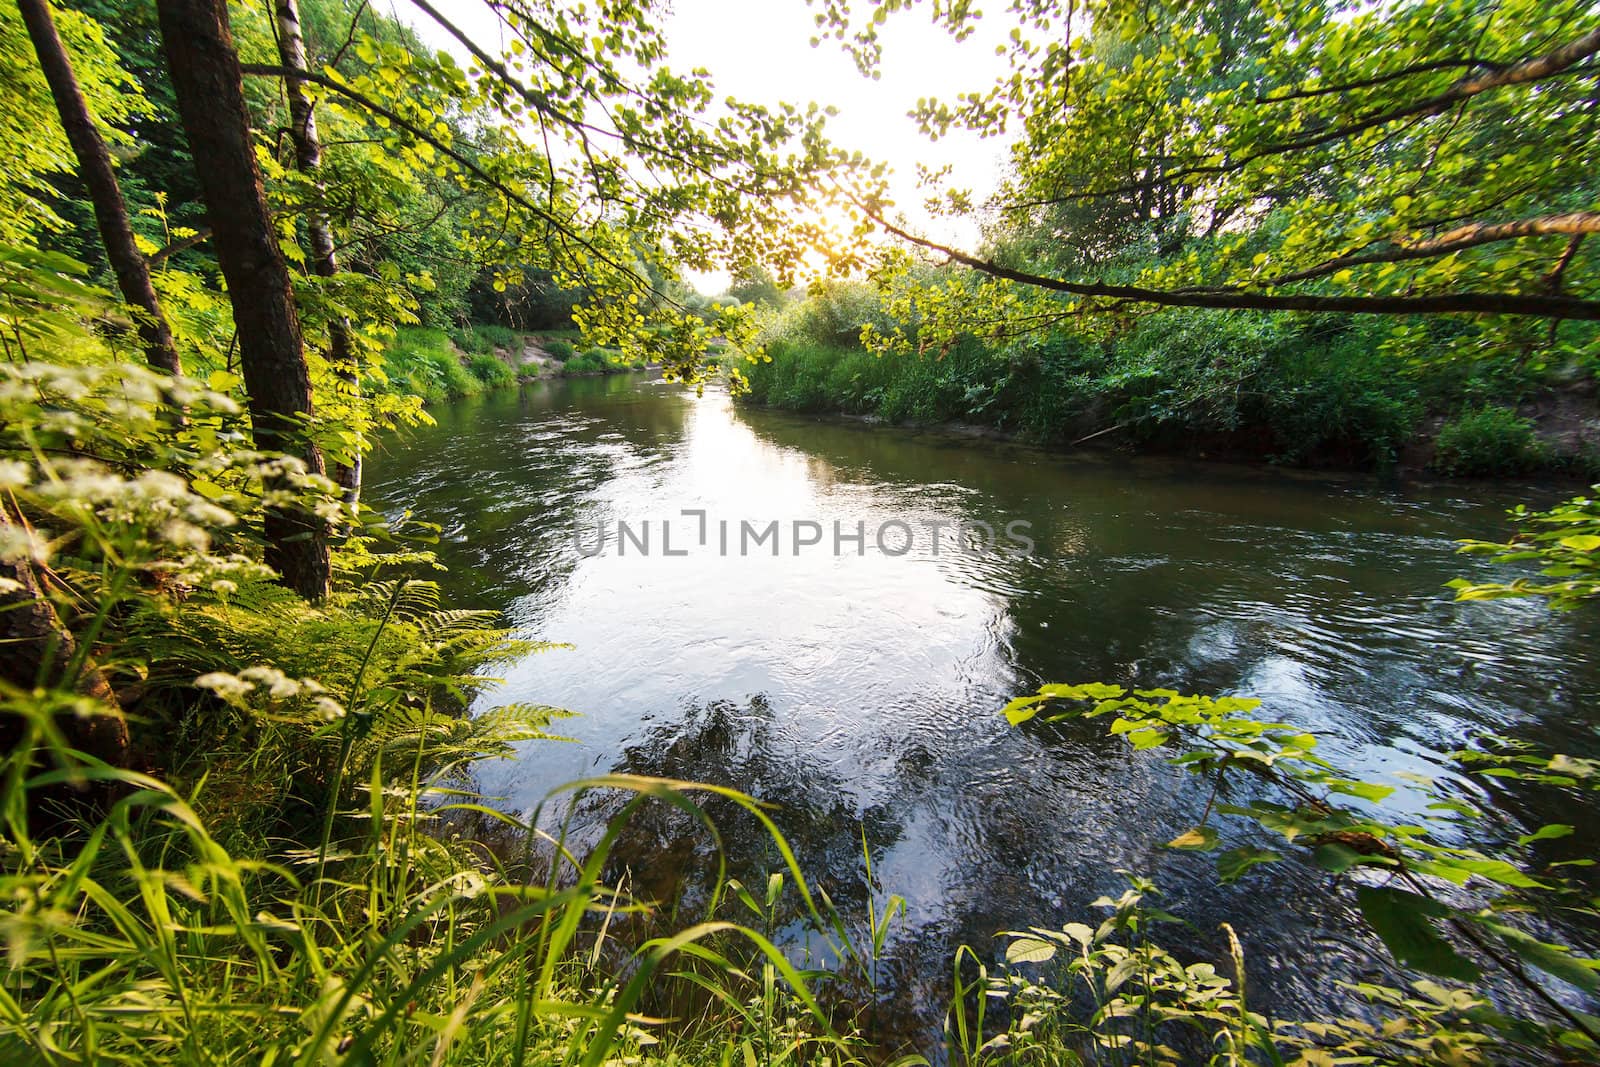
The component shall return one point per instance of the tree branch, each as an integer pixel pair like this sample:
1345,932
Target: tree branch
1468,303
467,164
1576,223
1529,70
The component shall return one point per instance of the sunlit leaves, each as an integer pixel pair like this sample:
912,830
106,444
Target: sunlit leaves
1292,148
1564,543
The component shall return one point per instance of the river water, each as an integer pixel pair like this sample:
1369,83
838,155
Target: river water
858,689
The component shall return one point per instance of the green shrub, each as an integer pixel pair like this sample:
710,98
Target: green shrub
492,371
1335,392
591,362
1487,441
467,340
561,351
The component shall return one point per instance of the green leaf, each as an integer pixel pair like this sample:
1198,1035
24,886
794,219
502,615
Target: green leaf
1556,960
1404,922
1546,833
1496,871
1232,864
1021,710
1030,950
1200,839
1336,858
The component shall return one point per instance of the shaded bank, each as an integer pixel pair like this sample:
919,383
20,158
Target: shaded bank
1319,394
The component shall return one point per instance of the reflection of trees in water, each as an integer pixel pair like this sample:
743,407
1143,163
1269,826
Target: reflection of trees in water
668,855
508,474
1148,578
1213,578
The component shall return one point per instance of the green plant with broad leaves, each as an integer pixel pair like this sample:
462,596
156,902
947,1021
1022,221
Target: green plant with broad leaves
1453,896
1480,916
1565,544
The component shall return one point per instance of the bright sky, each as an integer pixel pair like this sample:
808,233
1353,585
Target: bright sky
759,51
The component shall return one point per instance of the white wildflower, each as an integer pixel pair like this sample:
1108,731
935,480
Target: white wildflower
208,514
278,684
14,474
185,535
229,687
17,543
163,485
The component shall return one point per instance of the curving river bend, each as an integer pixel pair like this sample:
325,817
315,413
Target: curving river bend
859,690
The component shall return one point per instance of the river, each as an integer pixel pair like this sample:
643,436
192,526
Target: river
857,685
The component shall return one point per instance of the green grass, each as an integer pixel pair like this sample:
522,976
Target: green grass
498,336
599,361
422,362
492,371
427,363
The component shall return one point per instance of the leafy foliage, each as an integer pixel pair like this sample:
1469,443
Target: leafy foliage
1299,156
1564,542
1490,440
291,887
1443,907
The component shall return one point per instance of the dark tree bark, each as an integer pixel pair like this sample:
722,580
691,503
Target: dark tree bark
94,165
308,158
39,651
204,68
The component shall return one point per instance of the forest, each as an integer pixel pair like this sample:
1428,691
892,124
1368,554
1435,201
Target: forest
259,260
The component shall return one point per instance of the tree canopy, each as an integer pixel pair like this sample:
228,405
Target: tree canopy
1397,158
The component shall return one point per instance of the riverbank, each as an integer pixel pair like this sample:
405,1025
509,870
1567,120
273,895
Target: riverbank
1324,404
440,366
1413,466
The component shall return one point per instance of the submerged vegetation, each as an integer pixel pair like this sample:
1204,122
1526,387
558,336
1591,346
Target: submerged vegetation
238,805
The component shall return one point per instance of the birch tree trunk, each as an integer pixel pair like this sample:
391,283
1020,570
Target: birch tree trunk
324,260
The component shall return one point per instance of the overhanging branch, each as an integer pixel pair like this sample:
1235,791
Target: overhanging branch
1571,224
1524,73
467,164
1460,303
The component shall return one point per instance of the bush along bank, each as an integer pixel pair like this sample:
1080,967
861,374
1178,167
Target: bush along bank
437,365
597,361
1326,392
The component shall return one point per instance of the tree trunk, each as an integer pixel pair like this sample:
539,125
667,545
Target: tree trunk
204,68
308,157
39,651
94,165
